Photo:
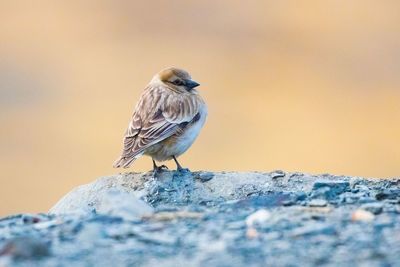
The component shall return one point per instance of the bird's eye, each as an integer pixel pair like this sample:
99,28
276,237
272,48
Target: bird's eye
178,82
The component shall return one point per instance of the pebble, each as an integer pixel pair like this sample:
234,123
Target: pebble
314,229
375,208
204,176
251,233
258,218
32,218
337,186
169,216
362,215
277,174
28,247
125,205
318,203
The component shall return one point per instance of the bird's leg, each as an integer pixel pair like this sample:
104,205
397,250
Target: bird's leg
158,168
179,167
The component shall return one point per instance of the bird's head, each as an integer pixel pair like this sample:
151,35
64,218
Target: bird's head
176,79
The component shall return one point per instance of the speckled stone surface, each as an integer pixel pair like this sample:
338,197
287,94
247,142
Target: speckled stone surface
214,219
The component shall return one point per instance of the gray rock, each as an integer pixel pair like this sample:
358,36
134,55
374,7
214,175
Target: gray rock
216,219
375,208
26,247
314,229
329,189
102,199
277,174
122,204
337,186
196,187
318,203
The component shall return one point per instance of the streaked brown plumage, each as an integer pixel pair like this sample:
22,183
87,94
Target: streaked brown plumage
166,121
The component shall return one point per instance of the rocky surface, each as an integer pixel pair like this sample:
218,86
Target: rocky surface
214,219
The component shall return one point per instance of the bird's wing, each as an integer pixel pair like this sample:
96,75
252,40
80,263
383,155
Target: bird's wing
158,115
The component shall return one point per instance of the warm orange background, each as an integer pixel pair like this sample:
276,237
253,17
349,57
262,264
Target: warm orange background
310,86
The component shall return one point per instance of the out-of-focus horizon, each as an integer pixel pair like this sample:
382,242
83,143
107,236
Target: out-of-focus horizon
300,86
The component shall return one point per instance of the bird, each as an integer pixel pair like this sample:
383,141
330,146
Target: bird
166,121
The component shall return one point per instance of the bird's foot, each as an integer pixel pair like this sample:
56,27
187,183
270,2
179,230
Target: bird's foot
179,167
161,168
158,169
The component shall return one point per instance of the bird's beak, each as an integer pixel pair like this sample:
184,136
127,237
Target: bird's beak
192,84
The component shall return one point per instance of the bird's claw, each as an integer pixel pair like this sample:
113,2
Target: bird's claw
157,169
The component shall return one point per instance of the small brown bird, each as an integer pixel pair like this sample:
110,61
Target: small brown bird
166,121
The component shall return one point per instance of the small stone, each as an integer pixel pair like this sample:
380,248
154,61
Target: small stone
366,200
90,235
362,215
313,229
122,204
258,218
204,176
383,221
277,174
237,225
169,216
26,248
337,187
300,196
375,208
48,224
32,218
317,209
323,193
388,194
318,203
160,238
251,233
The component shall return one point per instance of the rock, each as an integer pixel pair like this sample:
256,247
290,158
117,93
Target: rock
366,200
213,219
375,208
329,190
318,203
122,204
337,186
388,194
32,218
316,209
48,224
114,202
28,247
362,215
299,196
258,218
169,216
277,174
314,229
252,233
195,187
204,176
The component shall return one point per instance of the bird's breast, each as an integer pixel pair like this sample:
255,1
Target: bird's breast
178,143
192,130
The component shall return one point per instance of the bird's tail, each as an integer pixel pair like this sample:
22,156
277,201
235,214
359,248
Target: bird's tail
124,162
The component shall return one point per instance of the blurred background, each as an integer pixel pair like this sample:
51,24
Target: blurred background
310,86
